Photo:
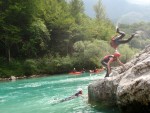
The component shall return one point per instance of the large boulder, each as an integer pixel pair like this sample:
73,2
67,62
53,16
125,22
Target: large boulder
129,89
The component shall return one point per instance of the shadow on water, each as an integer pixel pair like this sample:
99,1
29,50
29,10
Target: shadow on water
106,109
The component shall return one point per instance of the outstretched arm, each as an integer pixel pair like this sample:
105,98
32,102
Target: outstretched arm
127,40
121,63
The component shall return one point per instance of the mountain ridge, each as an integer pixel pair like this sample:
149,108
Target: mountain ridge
117,10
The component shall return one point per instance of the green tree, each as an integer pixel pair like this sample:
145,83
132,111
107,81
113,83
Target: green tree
89,53
100,11
127,52
142,29
77,10
37,44
58,21
15,20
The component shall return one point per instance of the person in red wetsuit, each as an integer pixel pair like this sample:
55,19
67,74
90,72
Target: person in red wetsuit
74,70
117,39
107,60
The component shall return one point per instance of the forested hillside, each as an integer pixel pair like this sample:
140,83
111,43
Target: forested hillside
53,36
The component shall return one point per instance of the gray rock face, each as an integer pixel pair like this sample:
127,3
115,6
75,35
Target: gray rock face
129,89
13,78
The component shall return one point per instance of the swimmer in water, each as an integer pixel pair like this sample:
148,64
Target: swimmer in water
79,93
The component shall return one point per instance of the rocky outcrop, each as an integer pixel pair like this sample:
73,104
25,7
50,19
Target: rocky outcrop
129,89
13,78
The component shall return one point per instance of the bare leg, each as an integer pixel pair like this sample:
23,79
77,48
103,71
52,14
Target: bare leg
126,41
105,65
122,34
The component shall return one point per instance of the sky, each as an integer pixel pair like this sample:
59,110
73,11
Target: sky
130,10
139,2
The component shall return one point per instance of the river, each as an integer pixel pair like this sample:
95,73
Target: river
41,95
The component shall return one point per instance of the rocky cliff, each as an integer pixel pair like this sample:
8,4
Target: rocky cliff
129,89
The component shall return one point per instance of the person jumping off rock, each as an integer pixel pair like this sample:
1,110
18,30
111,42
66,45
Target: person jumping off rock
107,60
117,39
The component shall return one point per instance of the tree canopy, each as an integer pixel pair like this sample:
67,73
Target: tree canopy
43,30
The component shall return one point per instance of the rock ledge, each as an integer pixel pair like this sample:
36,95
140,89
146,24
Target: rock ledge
130,89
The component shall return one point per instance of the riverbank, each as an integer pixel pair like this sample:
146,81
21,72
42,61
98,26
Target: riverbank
12,78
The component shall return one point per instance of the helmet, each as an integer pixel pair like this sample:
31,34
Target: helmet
79,89
117,54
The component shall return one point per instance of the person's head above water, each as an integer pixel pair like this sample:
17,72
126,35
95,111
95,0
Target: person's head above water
79,90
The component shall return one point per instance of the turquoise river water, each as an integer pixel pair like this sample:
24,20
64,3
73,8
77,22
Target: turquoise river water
41,95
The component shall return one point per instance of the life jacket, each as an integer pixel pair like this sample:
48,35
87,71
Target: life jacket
107,58
112,43
77,94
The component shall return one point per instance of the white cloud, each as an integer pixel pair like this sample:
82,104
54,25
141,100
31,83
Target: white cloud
139,2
